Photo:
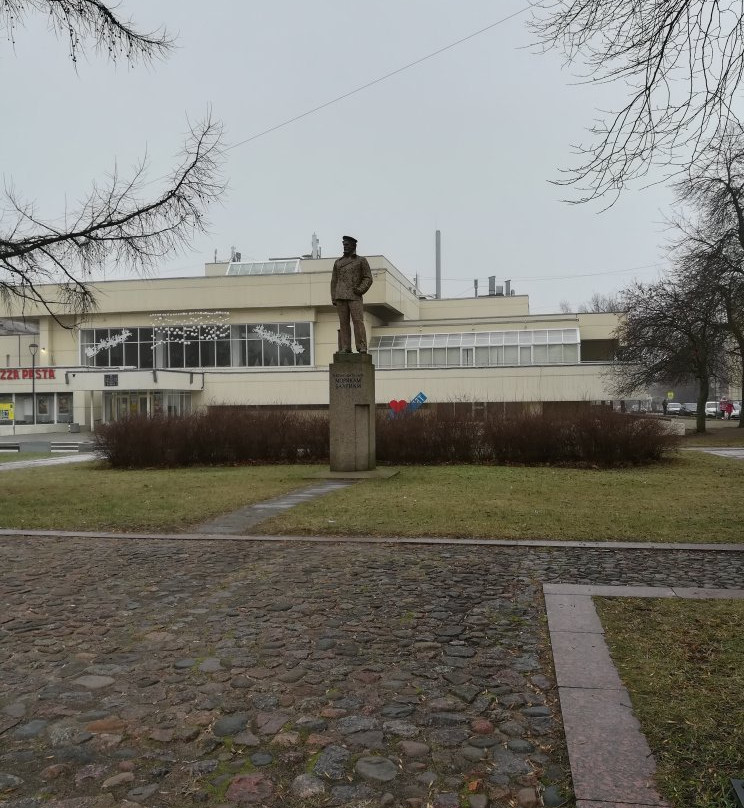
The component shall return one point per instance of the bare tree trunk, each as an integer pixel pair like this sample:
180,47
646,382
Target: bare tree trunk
703,391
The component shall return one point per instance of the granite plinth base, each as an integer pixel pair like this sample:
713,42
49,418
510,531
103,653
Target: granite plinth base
352,412
371,474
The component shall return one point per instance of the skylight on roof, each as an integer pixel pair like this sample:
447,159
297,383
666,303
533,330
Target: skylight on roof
263,267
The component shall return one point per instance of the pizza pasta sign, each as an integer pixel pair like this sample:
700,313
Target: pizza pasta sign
17,374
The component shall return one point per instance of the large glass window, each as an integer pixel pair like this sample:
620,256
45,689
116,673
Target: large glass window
174,345
546,346
271,345
116,347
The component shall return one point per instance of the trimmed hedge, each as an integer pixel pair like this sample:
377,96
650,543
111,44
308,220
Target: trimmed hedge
592,436
222,437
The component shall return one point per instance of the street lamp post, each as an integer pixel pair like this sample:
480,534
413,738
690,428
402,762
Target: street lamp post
33,348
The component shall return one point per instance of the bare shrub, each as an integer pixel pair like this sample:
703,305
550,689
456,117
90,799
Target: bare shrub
221,437
428,437
590,436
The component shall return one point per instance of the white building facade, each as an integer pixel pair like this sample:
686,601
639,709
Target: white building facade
263,334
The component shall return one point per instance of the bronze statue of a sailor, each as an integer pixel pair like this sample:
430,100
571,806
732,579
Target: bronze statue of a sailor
350,279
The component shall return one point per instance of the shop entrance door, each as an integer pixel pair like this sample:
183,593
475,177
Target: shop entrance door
121,405
130,404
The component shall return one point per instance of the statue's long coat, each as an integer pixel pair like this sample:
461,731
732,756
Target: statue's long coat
351,277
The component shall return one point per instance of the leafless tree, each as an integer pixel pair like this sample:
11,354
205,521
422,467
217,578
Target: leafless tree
681,62
117,222
669,333
710,251
599,303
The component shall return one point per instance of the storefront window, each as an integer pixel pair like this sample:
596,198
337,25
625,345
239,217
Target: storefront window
145,402
44,409
7,408
64,408
24,412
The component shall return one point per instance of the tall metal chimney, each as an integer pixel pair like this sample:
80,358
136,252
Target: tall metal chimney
438,254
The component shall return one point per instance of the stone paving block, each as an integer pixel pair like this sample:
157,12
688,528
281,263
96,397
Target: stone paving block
583,660
610,757
572,613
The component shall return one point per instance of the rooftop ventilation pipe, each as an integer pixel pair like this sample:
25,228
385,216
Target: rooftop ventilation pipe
438,258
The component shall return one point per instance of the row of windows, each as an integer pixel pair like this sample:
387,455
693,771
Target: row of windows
543,336
144,402
250,345
485,356
290,345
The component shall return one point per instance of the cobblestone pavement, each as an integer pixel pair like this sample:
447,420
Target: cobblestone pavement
229,672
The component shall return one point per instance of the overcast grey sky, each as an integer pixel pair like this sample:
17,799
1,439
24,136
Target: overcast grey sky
465,142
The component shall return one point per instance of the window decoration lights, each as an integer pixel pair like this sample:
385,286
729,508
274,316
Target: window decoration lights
114,339
279,339
186,327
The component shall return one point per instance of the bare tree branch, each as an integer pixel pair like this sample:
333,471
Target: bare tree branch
88,22
118,223
682,63
112,226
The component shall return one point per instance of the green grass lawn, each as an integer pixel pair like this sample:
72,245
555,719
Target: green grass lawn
89,496
683,664
691,498
717,433
7,457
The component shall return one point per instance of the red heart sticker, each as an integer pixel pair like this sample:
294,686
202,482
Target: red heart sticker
398,406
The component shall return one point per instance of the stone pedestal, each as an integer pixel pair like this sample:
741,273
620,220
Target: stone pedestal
352,412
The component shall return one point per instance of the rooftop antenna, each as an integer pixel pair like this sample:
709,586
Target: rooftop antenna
315,250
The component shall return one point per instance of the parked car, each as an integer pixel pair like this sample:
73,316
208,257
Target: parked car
674,408
689,408
711,409
737,409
